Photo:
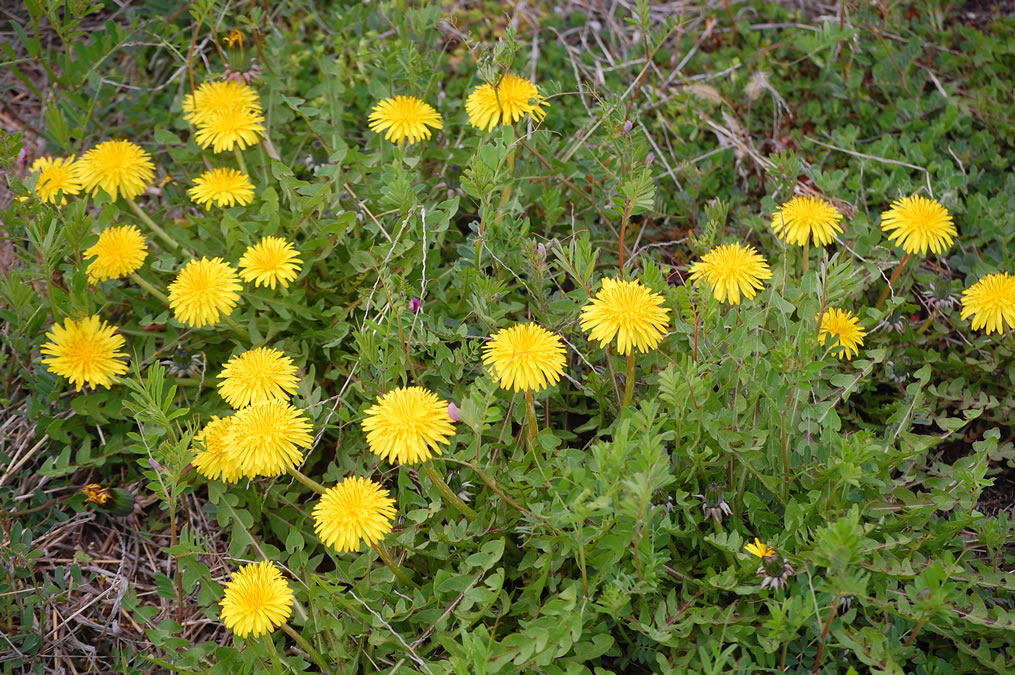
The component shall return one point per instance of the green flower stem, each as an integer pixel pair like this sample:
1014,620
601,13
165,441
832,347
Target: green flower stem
926,324
305,646
807,255
891,281
1011,339
392,565
531,425
231,322
239,159
447,493
309,482
276,662
156,229
154,292
629,382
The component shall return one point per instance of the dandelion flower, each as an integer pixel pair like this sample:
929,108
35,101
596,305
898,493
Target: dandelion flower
85,352
844,327
265,438
807,217
759,549
56,174
918,224
525,357
234,127
356,509
258,375
732,270
271,260
118,167
204,290
224,187
119,251
212,98
992,301
406,118
213,462
257,600
506,103
628,311
408,425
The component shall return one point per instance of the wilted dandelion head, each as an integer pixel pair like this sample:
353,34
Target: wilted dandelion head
404,118
732,270
807,217
266,438
508,101
273,260
212,461
628,311
233,127
257,600
223,187
843,327
525,357
257,375
119,251
56,175
86,351
355,510
203,291
117,167
212,98
408,425
991,303
918,224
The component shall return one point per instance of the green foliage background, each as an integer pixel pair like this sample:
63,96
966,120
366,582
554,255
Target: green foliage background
592,555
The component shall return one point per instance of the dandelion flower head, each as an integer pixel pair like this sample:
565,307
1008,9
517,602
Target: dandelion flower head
230,128
119,251
918,224
759,549
223,187
628,311
525,357
257,600
117,167
807,217
408,425
212,98
508,101
732,270
844,328
86,351
212,461
56,174
266,438
204,290
404,118
273,260
258,375
355,510
991,303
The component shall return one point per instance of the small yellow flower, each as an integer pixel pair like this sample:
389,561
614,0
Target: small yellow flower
212,98
96,494
213,462
85,352
844,327
257,600
991,303
234,39
118,167
918,224
204,290
408,425
759,549
224,187
233,127
406,118
271,260
511,99
266,438
525,357
807,217
628,311
732,270
119,251
355,510
258,375
56,174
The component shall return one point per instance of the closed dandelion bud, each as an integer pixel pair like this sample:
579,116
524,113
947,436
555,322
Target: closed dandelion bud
116,501
714,504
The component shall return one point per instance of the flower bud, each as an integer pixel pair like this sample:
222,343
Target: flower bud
117,501
453,412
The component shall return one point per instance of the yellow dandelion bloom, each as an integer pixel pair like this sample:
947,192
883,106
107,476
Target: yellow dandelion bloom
257,600
271,260
844,327
234,127
408,425
525,357
204,290
511,99
85,352
212,461
119,251
56,175
258,375
212,98
118,167
732,270
807,217
355,510
266,438
759,549
405,118
991,303
224,187
628,311
918,224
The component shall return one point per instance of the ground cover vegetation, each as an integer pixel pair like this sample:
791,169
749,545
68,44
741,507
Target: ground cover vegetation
464,338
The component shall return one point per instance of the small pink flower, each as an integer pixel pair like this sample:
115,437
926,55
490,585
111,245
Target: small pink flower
453,412
414,305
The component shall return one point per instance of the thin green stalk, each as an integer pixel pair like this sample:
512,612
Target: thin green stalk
531,423
156,229
239,159
629,382
447,493
154,292
1011,339
392,565
305,646
807,255
891,281
926,324
231,322
276,662
307,481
